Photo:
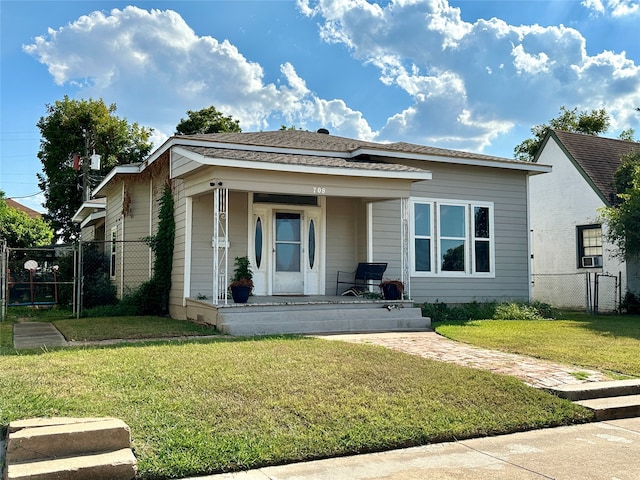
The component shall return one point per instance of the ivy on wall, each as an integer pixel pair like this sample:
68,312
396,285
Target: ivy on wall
153,296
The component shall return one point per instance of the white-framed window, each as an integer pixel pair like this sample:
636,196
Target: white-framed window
451,238
589,238
114,244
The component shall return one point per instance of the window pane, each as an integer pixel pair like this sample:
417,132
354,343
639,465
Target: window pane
258,242
452,255
481,221
312,243
591,241
287,227
452,221
422,219
482,256
288,257
423,255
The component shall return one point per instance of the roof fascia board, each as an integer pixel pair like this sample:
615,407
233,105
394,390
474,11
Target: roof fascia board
280,167
579,168
531,167
88,206
93,218
117,170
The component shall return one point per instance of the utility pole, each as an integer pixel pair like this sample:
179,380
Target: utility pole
85,168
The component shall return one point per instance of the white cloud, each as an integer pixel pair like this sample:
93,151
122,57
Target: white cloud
529,64
615,8
596,6
479,79
157,68
466,83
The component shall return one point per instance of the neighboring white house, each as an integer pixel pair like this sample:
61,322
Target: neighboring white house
303,205
567,235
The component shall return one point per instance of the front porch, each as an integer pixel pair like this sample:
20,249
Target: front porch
270,315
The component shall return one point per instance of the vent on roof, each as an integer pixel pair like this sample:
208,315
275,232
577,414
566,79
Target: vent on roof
323,130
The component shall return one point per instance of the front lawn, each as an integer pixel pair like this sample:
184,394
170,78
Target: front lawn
133,327
210,406
604,342
105,328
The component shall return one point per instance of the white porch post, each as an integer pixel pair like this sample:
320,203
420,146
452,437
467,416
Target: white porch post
220,244
404,239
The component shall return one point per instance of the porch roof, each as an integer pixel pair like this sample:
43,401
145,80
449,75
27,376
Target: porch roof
339,165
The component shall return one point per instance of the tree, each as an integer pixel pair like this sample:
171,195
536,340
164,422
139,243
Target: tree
78,128
627,135
623,218
207,120
591,123
20,230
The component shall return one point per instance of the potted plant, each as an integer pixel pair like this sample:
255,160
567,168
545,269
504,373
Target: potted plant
242,281
392,289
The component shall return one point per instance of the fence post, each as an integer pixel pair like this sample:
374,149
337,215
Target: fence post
77,284
620,292
3,278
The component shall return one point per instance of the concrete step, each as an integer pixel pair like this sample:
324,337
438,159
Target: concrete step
383,317
589,390
115,465
610,408
66,440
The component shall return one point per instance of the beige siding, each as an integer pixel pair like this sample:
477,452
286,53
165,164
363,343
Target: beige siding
240,179
135,227
202,235
386,237
342,238
176,296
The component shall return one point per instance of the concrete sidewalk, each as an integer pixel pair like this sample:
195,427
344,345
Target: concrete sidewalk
33,335
604,450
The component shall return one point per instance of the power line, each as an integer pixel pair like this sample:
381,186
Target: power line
27,196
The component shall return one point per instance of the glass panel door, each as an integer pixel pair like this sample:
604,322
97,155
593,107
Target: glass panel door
288,275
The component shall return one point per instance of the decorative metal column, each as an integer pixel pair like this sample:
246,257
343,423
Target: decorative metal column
404,239
220,244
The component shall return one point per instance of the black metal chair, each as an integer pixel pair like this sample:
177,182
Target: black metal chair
367,274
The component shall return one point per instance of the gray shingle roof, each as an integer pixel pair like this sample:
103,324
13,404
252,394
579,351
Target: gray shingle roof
298,139
301,159
598,157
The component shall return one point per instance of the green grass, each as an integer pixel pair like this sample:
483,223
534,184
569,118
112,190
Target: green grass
606,342
134,327
210,406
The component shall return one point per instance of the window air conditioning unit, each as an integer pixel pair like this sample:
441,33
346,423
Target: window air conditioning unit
592,261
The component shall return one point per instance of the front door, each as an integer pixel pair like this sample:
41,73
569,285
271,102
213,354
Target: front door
288,275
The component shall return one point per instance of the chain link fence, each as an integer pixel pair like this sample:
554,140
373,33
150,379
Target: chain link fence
78,276
590,291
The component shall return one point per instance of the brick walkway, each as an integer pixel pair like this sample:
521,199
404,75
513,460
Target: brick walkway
535,372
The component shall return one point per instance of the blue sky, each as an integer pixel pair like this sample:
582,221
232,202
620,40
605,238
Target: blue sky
470,75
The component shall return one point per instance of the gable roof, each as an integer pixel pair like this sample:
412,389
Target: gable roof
597,158
18,206
322,144
316,152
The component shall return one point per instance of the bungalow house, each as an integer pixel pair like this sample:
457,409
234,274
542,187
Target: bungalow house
569,244
453,226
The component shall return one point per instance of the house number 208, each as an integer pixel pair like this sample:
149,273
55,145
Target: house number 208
319,190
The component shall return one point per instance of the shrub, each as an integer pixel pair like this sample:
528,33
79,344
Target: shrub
520,311
98,290
630,304
441,312
150,298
